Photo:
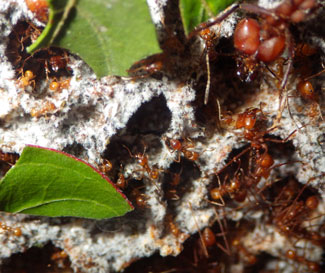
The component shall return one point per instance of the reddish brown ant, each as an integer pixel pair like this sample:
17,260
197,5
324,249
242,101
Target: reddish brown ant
9,158
140,198
181,147
142,160
290,212
233,188
312,266
266,40
105,166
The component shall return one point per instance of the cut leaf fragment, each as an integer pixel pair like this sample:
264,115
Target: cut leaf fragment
51,183
108,35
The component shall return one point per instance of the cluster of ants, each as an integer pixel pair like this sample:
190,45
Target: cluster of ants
262,43
46,70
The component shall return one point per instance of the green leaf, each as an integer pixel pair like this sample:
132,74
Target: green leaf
51,183
195,12
109,35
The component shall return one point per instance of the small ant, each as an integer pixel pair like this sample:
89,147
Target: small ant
171,190
141,199
58,86
148,66
48,107
15,231
234,189
256,136
306,90
178,146
58,62
172,226
312,266
105,166
9,158
27,79
121,182
142,160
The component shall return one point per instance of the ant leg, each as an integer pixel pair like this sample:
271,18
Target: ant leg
130,153
223,233
282,103
218,19
200,234
207,88
256,9
234,159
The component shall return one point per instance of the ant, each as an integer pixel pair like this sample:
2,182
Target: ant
141,199
15,231
142,160
58,86
234,188
9,158
290,211
171,190
312,266
39,8
252,120
180,147
265,41
48,107
172,226
27,79
106,167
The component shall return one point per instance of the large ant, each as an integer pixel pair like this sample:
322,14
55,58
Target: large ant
249,172
262,41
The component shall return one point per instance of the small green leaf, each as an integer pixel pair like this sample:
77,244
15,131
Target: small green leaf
51,183
108,35
195,12
58,13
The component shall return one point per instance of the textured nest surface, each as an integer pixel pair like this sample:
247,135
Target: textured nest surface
95,119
